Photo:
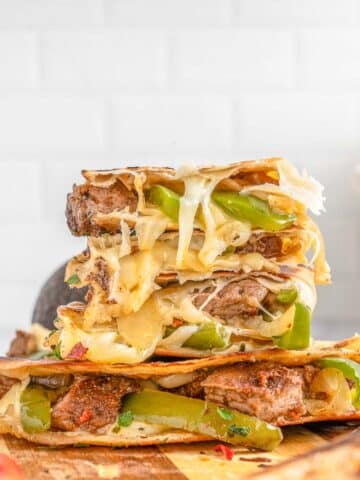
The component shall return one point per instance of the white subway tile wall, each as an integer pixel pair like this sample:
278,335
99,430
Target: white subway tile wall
106,83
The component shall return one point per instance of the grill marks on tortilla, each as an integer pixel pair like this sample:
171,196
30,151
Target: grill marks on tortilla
235,299
100,397
85,201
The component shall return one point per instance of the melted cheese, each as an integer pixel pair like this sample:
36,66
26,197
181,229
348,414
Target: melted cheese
198,190
302,188
102,346
134,337
195,189
132,278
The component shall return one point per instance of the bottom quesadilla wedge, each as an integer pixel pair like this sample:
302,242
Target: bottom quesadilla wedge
241,398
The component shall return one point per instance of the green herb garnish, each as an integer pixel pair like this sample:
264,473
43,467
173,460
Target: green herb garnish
73,280
236,430
125,419
57,351
225,413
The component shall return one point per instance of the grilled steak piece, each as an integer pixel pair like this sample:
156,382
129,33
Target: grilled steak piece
6,383
268,245
87,200
238,298
53,381
194,388
91,403
268,391
23,345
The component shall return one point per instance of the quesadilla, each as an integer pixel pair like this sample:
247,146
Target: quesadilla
192,262
240,398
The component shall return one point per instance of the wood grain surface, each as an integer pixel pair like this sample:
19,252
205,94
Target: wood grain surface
176,462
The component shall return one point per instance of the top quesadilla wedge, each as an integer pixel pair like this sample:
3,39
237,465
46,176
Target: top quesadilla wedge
226,203
239,398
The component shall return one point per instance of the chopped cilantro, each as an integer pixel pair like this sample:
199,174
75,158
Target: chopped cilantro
125,419
225,413
57,351
236,430
73,280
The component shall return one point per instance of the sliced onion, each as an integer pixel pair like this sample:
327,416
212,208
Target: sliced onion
176,380
332,383
276,327
179,336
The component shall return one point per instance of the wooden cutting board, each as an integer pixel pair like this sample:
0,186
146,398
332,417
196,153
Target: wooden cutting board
176,462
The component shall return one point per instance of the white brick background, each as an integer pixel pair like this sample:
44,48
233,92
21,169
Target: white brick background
101,83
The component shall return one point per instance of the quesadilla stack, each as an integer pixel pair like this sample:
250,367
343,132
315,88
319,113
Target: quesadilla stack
192,262
196,325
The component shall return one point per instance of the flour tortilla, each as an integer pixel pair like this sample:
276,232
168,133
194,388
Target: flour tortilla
22,368
166,175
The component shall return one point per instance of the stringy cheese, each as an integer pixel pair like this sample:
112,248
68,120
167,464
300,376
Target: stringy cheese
134,337
103,346
133,277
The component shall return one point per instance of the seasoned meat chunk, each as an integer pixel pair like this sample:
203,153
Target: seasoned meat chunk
268,245
268,391
53,381
87,200
91,403
6,383
194,388
236,298
23,345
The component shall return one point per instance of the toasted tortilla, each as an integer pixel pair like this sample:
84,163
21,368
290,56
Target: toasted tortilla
114,440
23,368
167,175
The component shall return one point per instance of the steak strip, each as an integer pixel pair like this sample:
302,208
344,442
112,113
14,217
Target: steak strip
271,392
100,397
23,345
238,298
85,201
270,246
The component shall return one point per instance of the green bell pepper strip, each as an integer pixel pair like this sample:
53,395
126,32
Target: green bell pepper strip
349,368
167,200
202,417
35,410
253,210
287,295
298,337
208,336
240,207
